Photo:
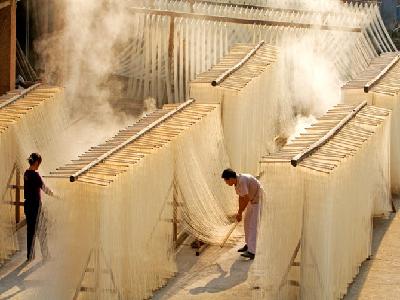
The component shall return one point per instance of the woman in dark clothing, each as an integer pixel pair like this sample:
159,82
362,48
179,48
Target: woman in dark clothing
33,183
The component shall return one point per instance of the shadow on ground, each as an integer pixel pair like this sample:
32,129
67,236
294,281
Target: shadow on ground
17,279
226,280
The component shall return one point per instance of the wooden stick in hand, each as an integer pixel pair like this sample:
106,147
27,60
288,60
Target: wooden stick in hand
229,234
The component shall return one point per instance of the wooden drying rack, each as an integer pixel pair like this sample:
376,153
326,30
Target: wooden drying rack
18,188
19,95
154,124
15,171
259,7
90,162
204,17
375,80
323,140
228,72
93,266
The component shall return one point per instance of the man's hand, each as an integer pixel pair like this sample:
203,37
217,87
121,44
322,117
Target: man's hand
239,217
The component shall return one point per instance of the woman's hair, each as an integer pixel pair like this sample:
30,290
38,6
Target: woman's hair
228,173
34,157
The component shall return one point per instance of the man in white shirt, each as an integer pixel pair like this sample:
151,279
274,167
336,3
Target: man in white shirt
250,191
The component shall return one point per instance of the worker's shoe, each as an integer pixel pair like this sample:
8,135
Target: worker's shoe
248,254
243,249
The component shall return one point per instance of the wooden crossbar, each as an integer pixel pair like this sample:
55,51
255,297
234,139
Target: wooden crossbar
323,140
291,263
259,7
204,17
19,96
373,81
224,75
18,197
95,255
101,158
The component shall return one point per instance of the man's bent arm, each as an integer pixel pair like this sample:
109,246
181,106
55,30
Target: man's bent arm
243,201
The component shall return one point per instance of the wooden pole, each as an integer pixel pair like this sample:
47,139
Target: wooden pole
284,278
97,273
157,122
265,8
309,150
229,234
224,75
7,45
17,195
373,81
19,95
171,37
171,51
235,20
175,216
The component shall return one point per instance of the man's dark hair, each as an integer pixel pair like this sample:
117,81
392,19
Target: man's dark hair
34,157
228,173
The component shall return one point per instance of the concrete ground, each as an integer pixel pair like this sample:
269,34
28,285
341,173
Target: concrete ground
379,277
17,279
220,273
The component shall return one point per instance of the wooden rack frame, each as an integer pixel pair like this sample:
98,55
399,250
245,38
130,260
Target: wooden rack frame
224,75
101,158
94,256
375,80
15,173
256,7
309,150
204,17
19,96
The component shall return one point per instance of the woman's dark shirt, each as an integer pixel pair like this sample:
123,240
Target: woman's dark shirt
32,185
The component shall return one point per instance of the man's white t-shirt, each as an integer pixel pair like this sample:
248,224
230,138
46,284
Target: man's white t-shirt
248,185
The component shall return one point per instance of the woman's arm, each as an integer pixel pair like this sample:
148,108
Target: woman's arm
44,188
47,190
